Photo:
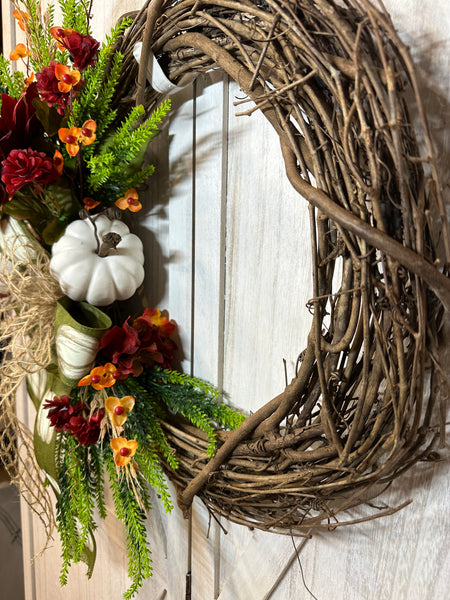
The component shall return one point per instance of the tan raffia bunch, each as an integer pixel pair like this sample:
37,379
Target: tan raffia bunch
28,295
339,88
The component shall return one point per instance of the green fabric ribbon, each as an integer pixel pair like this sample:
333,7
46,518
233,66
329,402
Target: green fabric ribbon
78,329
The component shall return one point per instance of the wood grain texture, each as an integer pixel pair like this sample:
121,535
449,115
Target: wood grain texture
227,254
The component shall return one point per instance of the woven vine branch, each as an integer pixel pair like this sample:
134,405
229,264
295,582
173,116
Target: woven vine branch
338,86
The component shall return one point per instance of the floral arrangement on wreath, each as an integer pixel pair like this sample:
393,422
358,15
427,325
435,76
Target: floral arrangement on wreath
68,171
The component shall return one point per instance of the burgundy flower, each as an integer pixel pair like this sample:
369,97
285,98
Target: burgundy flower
145,343
120,345
82,48
88,431
154,331
160,352
19,126
47,85
27,166
71,419
62,412
118,341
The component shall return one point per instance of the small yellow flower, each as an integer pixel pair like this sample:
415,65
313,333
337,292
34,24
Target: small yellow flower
123,450
118,409
129,201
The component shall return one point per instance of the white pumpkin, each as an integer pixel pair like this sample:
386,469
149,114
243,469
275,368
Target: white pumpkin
83,274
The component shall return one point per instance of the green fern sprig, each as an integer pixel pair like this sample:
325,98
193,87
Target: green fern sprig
100,82
144,419
43,46
207,396
133,517
182,379
146,429
106,95
75,504
74,14
11,82
192,398
81,496
100,166
66,524
149,463
116,166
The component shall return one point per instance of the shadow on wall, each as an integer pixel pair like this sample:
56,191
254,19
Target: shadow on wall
11,562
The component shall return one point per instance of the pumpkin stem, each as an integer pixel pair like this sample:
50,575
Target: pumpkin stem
110,241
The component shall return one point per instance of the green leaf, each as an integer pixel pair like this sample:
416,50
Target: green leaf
61,192
49,117
27,207
53,231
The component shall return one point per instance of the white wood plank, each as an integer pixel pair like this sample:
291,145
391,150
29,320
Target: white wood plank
403,556
268,283
268,279
255,567
208,280
166,227
210,201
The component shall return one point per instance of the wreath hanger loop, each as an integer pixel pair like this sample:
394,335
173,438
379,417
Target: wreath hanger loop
339,87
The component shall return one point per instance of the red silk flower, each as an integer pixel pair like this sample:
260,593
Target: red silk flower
82,48
23,167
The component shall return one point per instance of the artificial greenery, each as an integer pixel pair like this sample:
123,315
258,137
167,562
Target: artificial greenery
75,15
99,84
11,82
38,25
113,162
132,513
192,398
78,482
113,167
109,427
82,468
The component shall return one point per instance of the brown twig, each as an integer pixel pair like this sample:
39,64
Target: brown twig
336,83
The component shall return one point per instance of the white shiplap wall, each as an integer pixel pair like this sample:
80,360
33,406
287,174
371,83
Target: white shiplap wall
228,255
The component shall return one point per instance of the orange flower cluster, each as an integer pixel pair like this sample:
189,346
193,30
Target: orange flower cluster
100,377
20,51
22,18
123,450
129,201
118,409
75,136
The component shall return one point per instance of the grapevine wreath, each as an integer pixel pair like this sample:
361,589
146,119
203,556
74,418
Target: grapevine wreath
338,86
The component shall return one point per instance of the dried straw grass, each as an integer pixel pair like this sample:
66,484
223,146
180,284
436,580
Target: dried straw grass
27,316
